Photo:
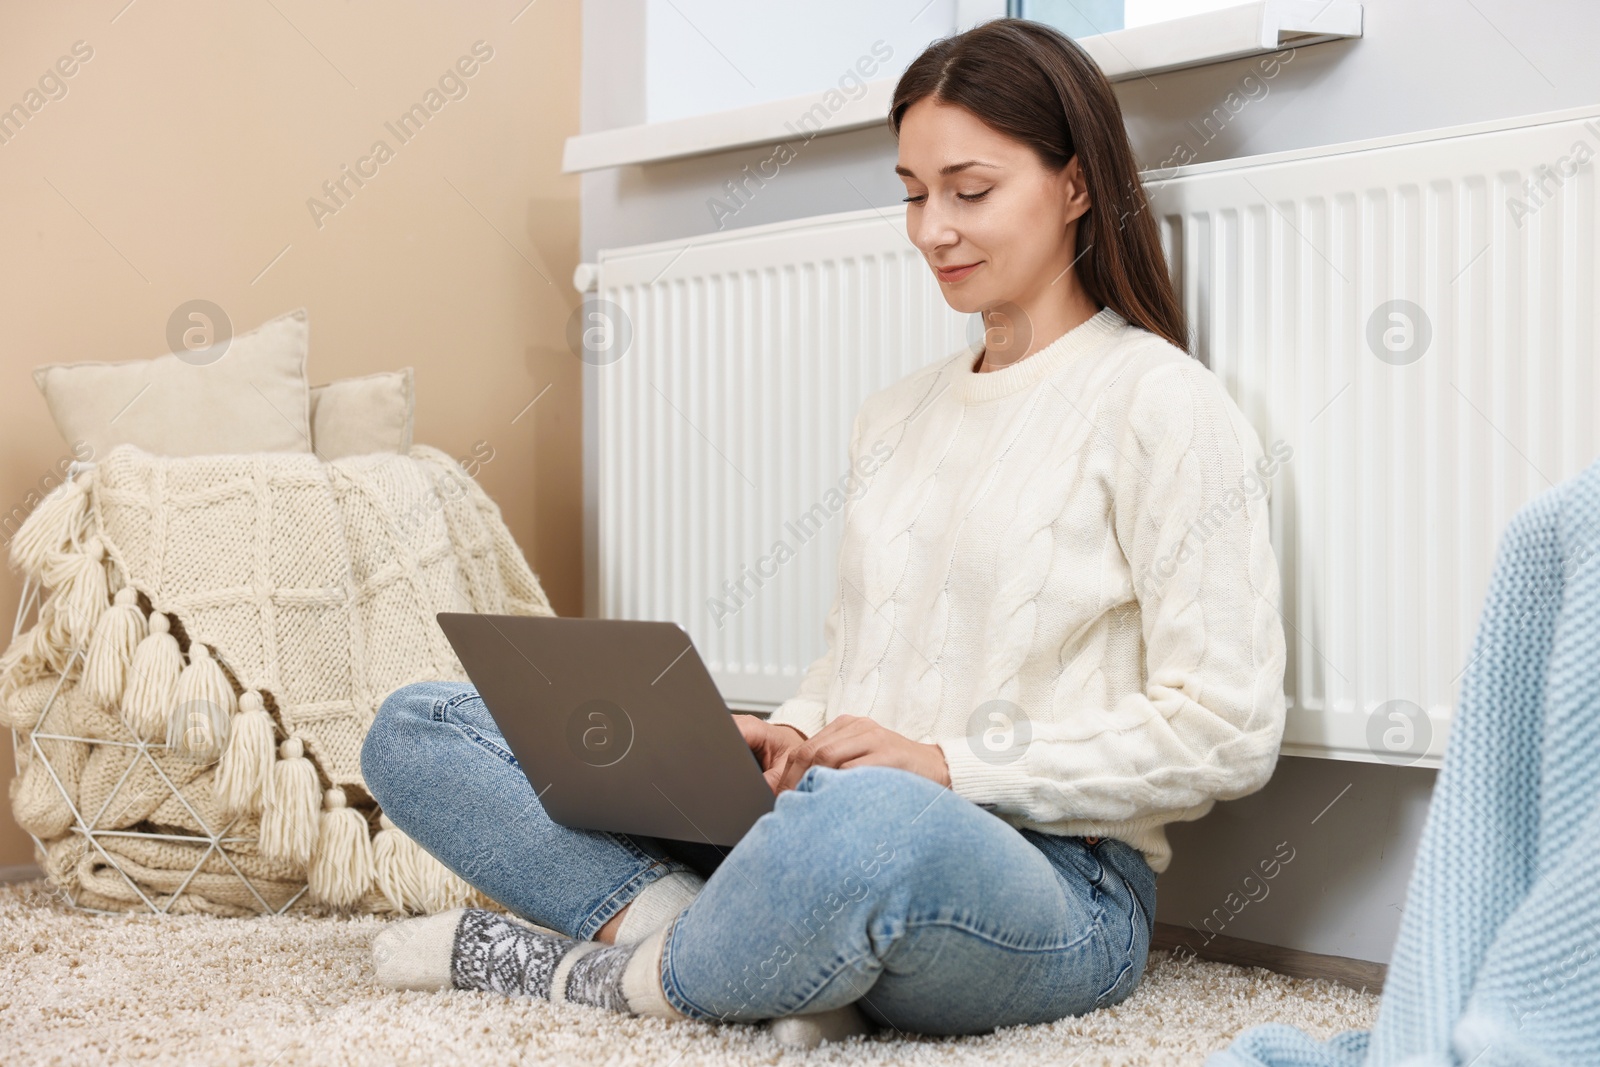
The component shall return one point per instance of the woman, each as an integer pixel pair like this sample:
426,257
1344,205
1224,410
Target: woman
1055,631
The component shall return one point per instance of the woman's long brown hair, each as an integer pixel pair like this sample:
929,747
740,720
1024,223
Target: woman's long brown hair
1033,83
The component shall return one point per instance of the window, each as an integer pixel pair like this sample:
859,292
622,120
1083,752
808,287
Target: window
1088,18
706,56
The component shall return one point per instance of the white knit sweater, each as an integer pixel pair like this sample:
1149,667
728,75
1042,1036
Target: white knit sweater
1061,574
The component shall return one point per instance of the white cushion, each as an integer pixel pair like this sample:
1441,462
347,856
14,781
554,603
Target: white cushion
252,398
360,416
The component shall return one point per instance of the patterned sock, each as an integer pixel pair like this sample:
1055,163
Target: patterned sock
595,977
493,953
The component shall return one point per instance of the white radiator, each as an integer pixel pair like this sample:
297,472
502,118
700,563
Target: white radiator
728,417
1405,468
723,425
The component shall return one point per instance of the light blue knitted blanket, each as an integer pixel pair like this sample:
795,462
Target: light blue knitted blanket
1498,957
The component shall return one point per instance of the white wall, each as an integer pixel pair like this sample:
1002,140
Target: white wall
1420,65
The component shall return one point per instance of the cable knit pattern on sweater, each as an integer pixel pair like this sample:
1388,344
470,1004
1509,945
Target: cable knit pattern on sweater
1073,550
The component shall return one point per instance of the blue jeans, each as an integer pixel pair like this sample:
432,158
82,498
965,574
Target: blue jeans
870,885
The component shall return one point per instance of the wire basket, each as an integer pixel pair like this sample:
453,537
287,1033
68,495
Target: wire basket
213,837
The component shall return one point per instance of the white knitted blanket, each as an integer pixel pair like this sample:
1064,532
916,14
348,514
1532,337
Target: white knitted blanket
243,616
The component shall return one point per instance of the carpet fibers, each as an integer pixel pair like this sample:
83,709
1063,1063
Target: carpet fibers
83,989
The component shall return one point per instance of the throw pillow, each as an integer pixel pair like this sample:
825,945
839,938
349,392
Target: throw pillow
253,397
360,416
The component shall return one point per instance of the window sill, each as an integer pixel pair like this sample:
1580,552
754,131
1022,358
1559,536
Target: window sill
1214,37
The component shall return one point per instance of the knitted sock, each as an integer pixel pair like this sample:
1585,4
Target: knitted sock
809,1031
415,953
657,903
488,951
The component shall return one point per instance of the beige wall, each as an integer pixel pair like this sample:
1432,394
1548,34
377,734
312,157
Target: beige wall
178,165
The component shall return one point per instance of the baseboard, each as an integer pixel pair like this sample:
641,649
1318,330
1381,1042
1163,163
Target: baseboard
1362,975
25,872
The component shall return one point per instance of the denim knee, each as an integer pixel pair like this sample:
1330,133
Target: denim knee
392,733
893,811
884,791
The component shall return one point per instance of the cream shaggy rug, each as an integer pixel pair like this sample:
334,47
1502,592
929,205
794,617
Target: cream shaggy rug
86,989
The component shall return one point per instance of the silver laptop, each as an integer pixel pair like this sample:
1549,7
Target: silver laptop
616,723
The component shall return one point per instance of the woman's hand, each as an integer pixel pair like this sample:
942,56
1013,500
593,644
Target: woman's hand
771,743
857,741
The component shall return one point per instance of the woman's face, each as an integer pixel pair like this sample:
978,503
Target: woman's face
977,199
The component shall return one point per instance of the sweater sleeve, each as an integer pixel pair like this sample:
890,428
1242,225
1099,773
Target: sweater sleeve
806,711
1189,514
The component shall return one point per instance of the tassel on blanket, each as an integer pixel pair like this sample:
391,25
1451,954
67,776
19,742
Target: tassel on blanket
54,524
55,651
202,708
78,580
244,771
442,888
26,660
342,869
397,867
152,681
116,636
290,805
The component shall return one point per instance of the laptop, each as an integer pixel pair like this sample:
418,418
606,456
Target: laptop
616,723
